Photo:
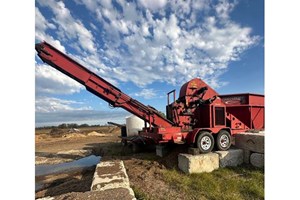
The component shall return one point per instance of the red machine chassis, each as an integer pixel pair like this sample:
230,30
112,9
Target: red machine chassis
198,107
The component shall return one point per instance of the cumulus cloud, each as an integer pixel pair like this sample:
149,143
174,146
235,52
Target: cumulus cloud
55,111
224,7
68,27
45,104
41,27
153,4
76,35
146,93
50,81
138,41
170,42
153,41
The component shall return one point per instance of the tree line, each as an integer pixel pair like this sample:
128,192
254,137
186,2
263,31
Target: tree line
71,125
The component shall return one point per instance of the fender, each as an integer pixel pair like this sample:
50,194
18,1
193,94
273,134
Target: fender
191,136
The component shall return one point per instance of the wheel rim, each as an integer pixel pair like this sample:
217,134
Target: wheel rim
224,141
205,143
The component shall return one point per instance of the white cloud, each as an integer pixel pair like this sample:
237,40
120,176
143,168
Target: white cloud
174,47
45,104
53,111
153,4
172,30
145,44
93,26
146,93
51,81
68,27
41,26
224,7
40,22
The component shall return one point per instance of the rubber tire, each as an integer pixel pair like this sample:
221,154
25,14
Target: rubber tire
219,147
201,134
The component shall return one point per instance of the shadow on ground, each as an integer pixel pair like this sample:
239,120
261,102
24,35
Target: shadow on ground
76,181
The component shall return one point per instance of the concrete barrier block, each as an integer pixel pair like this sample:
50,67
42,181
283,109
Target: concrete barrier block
111,175
46,198
231,157
254,142
247,154
257,160
198,163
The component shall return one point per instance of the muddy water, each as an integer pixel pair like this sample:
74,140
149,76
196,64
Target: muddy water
44,170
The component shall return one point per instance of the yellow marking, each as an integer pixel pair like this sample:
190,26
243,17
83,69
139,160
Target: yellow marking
193,84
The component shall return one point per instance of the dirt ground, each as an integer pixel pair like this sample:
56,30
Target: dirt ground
147,172
144,169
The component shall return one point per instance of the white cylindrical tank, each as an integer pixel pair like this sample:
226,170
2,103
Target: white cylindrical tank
133,125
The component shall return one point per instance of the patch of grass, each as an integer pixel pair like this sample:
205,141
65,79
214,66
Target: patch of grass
244,182
139,195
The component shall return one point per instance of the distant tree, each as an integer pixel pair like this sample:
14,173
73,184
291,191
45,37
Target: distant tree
73,125
62,126
84,125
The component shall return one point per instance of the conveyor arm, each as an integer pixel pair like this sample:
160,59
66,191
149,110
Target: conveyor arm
98,85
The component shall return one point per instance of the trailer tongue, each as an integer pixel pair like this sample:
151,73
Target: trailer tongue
197,114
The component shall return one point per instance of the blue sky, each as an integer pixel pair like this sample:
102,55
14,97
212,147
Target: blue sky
146,48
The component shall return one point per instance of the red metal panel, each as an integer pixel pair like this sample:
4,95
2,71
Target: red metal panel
255,99
243,99
248,108
242,113
235,99
161,134
257,117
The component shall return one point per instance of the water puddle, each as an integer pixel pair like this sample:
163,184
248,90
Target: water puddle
44,170
38,186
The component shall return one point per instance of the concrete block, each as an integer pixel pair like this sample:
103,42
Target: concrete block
257,160
231,157
254,142
111,175
161,150
193,151
247,154
198,163
46,198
